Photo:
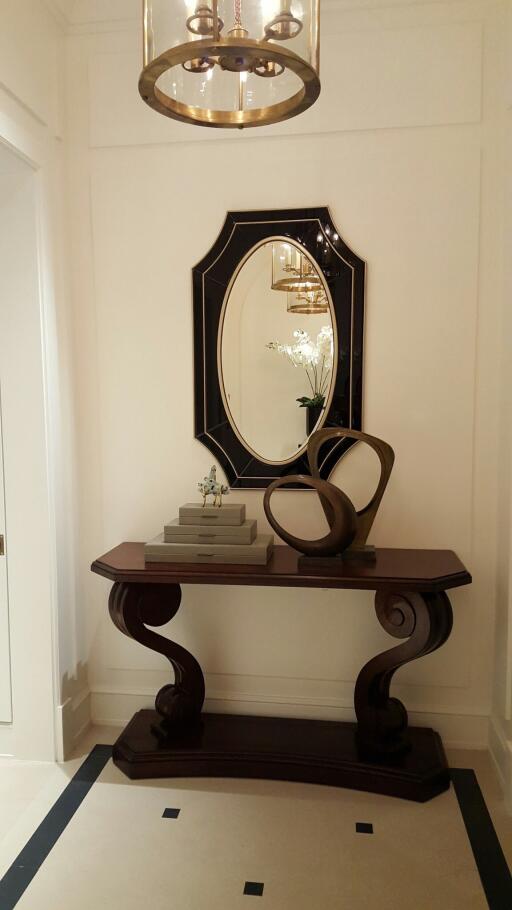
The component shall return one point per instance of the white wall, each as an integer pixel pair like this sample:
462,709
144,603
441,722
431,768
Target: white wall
36,382
401,146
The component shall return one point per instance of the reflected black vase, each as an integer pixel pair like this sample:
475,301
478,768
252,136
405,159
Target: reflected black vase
312,417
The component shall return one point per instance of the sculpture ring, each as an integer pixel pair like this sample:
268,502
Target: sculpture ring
344,521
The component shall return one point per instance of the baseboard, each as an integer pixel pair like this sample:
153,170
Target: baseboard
458,729
500,748
73,720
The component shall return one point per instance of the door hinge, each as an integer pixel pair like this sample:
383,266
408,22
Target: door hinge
2,545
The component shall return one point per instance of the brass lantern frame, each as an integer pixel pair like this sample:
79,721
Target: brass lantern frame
253,52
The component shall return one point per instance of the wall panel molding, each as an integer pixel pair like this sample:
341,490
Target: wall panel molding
500,748
435,80
92,12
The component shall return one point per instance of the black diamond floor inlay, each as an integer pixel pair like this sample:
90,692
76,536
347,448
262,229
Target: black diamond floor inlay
255,888
171,813
364,828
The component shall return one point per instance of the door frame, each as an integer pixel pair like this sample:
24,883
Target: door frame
35,732
5,670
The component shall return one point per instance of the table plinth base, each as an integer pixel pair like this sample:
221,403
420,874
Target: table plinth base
276,748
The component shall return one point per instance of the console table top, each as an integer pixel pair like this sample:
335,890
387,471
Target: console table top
407,570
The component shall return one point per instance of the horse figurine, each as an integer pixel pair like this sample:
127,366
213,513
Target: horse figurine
210,486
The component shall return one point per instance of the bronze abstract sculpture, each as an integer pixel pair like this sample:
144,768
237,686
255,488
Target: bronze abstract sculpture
349,528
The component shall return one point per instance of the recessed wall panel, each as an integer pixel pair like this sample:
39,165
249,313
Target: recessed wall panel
371,79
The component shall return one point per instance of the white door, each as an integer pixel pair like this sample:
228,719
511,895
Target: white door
27,525
5,661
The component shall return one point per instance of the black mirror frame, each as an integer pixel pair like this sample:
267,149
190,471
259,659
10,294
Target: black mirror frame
344,273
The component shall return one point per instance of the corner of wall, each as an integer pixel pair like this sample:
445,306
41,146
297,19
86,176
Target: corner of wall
73,719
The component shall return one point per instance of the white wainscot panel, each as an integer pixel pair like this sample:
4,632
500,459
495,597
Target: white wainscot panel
371,79
29,52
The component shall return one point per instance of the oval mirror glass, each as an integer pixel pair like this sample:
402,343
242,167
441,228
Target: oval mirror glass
277,350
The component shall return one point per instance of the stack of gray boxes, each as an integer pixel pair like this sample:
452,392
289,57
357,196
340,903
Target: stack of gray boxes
208,534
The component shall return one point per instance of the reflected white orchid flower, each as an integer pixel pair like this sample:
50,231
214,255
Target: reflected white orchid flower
315,357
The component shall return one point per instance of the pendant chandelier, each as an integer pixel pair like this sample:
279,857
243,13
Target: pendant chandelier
292,271
308,303
230,63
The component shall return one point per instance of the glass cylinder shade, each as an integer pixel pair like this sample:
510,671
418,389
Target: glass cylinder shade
230,64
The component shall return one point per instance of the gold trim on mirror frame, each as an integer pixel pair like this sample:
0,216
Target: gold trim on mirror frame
329,309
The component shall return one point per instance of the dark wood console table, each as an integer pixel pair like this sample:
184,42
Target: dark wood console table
379,753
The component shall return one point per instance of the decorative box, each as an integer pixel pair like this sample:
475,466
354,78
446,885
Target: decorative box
230,514
256,553
174,532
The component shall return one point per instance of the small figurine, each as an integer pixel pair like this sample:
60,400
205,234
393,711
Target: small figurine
210,486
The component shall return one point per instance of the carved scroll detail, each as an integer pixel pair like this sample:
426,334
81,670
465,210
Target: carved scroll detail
133,607
425,620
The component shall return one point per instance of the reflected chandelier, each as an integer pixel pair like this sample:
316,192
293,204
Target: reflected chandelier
308,303
292,270
294,273
230,63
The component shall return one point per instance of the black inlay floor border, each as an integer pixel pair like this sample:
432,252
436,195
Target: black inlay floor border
20,874
489,857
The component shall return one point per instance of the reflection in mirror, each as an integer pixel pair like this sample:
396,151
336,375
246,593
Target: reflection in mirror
277,345
292,270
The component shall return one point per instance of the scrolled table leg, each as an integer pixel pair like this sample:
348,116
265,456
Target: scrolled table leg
134,606
425,620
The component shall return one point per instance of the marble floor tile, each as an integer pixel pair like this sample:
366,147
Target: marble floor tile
224,843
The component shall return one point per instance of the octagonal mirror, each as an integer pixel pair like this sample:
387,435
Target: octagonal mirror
278,324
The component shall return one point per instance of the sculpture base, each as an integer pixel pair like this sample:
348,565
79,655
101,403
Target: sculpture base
276,748
365,555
